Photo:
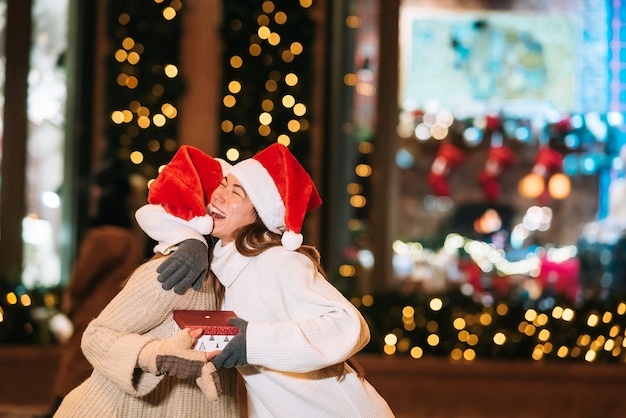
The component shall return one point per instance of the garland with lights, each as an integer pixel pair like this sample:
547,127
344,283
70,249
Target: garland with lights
456,326
143,87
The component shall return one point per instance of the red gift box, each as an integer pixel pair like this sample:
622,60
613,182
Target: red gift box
214,324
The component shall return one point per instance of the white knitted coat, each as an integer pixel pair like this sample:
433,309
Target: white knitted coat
141,312
298,326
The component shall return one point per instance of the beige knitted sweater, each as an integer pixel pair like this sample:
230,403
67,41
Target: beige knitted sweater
141,312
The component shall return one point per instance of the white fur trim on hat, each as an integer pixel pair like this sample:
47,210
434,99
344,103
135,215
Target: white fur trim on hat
260,187
224,164
169,230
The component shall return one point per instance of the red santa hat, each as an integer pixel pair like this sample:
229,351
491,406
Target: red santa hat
184,187
281,191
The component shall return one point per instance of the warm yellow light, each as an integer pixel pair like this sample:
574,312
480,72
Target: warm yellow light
25,300
240,130
169,111
255,50
143,122
280,18
158,120
417,352
123,19
274,39
143,111
283,139
531,186
128,43
469,354
350,79
263,20
265,118
358,201
299,109
11,298
121,55
229,100
271,86
117,117
128,115
436,304
154,145
264,130
432,340
499,338
234,87
354,188
121,79
136,157
458,323
346,270
264,32
291,79
227,126
169,13
287,56
353,22
296,48
293,126
267,105
232,154
171,70
288,101
236,61
267,6
559,186
133,58
363,170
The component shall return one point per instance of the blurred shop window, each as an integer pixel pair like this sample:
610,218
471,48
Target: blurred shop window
44,155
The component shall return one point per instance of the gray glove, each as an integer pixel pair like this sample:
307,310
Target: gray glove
234,354
186,267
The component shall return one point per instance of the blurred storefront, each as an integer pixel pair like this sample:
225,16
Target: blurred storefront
470,154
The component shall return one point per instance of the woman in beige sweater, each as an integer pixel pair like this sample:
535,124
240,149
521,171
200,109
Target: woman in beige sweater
113,342
143,367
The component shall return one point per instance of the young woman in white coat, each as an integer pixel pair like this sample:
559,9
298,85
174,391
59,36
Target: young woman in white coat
297,332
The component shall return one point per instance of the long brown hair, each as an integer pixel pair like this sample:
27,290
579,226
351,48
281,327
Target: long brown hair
252,240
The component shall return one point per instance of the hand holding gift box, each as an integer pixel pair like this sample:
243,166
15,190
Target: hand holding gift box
217,332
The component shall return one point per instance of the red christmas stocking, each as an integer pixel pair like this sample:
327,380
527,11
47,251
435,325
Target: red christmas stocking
547,162
447,158
498,159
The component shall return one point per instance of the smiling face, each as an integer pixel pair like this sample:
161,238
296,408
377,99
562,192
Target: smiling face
231,209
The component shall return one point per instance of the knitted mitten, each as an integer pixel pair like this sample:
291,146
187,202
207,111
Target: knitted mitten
174,356
209,382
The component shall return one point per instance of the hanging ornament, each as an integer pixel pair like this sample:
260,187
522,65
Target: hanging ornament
498,159
547,162
493,123
448,157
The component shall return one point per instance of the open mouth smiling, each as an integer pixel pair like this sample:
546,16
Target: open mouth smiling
217,214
